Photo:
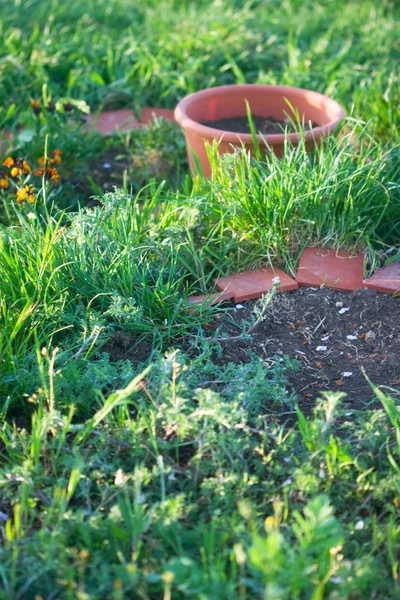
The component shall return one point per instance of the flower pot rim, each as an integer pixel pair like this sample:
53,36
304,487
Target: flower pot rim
186,122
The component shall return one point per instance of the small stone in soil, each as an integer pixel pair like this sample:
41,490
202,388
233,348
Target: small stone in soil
370,336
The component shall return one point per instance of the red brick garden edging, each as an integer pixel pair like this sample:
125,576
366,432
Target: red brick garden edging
318,267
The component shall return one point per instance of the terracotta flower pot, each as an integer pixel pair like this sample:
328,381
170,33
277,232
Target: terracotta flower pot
228,101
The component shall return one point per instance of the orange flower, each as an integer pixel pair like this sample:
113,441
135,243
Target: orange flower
4,183
42,160
26,193
25,167
19,162
20,166
53,175
50,173
57,157
35,106
9,162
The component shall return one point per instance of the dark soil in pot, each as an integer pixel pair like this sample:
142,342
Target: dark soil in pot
263,125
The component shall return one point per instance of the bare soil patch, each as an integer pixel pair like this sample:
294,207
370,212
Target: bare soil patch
124,346
334,335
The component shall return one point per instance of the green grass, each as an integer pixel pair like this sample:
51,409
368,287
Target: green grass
198,478
344,196
178,488
124,53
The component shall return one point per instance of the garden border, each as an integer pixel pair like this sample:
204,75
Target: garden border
318,267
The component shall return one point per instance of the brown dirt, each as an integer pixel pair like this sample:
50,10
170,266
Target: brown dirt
295,325
107,172
124,346
263,125
298,322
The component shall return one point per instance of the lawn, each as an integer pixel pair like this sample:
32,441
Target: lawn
150,449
